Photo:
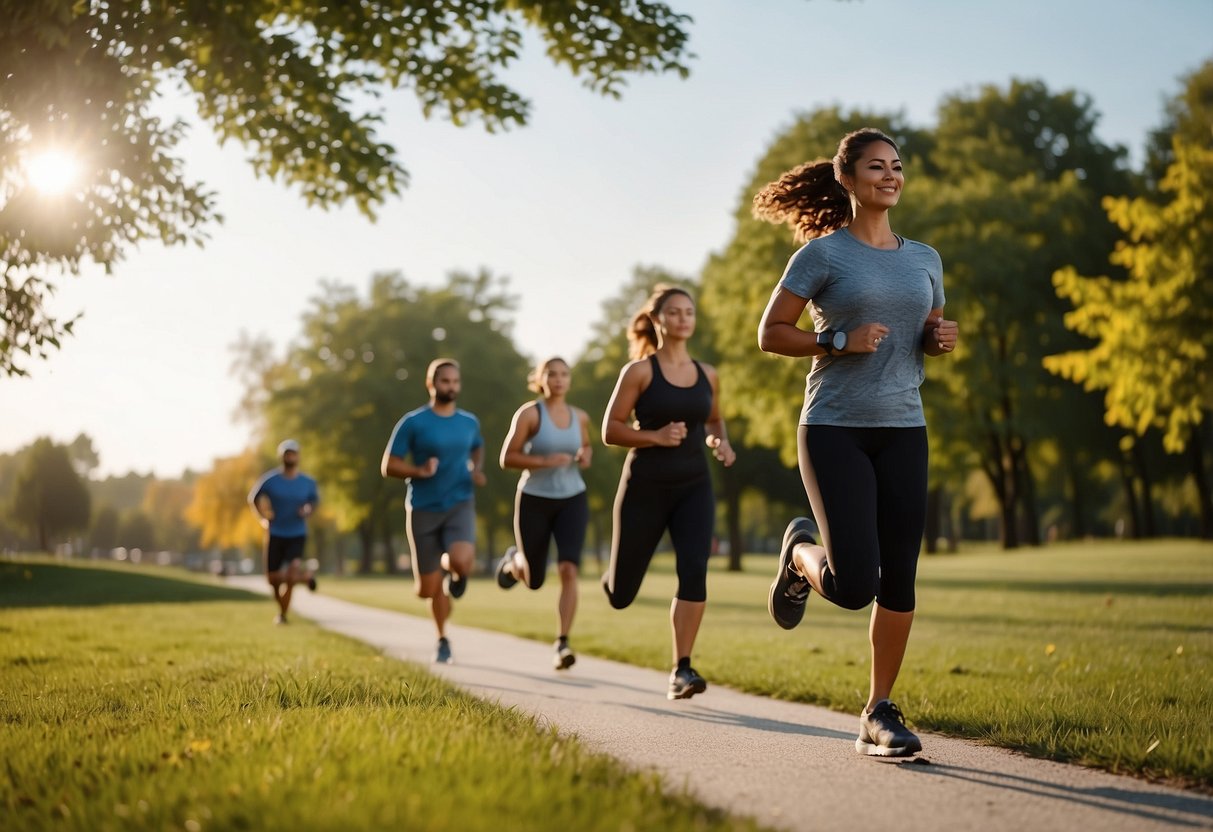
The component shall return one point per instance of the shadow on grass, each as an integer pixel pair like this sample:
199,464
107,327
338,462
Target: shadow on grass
27,585
1148,589
1169,807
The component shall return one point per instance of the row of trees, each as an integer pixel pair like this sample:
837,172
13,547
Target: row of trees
1076,406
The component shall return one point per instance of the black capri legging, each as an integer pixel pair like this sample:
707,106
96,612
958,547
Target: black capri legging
537,520
644,510
868,490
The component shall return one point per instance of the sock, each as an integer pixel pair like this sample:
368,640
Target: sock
563,641
684,662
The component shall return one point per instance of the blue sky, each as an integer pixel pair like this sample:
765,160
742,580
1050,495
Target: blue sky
567,206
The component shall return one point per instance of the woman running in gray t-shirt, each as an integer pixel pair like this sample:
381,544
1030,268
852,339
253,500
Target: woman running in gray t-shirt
877,305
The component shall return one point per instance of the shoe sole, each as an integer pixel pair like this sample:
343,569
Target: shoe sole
871,749
688,691
785,556
565,662
451,591
503,580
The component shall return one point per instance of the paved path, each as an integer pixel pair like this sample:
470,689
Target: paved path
788,765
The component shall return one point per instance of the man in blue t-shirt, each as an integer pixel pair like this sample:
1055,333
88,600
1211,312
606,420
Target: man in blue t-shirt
283,499
438,449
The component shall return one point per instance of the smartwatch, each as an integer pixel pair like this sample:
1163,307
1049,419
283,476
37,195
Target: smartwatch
832,341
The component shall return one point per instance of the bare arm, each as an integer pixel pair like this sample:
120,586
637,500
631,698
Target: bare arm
939,336
476,465
779,333
586,454
618,428
397,466
718,437
524,426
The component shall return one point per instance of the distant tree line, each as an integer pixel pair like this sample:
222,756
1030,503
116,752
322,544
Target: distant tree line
1078,404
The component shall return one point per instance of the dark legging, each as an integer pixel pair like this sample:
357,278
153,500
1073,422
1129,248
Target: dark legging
644,510
539,519
868,490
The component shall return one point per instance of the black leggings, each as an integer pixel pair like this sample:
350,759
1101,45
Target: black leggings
539,519
644,510
868,490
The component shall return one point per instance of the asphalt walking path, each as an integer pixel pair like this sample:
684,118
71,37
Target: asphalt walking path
788,765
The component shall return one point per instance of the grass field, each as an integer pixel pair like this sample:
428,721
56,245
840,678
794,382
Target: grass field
142,699
1099,653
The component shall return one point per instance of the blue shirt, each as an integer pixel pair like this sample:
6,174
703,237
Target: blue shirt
287,495
422,434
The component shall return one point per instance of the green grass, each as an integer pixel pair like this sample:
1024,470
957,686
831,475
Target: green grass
1098,653
141,699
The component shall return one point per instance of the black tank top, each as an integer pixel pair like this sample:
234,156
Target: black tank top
660,404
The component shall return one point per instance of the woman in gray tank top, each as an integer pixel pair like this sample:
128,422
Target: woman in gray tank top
549,441
877,305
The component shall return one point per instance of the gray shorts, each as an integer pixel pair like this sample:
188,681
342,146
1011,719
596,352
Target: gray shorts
433,532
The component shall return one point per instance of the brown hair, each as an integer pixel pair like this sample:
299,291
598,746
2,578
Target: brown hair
534,379
642,333
436,365
810,198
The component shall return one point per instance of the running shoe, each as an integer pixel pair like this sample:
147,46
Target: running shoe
685,683
443,654
505,578
790,589
311,583
883,733
456,584
564,658
280,619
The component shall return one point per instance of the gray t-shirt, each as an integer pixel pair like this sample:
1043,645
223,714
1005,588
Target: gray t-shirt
849,283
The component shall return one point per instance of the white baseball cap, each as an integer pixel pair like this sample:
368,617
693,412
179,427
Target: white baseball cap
287,445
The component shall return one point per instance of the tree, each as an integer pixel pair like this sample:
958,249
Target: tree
220,509
49,498
359,366
294,82
1153,331
1020,172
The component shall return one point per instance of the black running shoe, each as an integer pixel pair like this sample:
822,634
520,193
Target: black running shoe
685,683
564,658
883,733
311,583
443,654
456,584
505,578
790,590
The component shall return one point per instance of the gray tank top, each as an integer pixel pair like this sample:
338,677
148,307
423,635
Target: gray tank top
554,483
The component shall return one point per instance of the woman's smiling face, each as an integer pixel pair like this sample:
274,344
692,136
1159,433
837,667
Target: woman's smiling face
878,180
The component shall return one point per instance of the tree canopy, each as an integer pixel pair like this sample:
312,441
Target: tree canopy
294,82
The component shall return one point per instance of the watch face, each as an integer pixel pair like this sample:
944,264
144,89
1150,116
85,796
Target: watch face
839,341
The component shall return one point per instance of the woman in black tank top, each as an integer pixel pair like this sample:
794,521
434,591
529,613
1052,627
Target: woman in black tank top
665,484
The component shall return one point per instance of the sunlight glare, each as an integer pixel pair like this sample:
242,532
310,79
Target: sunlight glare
52,172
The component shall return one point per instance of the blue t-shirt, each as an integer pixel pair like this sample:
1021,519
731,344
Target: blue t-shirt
422,434
287,495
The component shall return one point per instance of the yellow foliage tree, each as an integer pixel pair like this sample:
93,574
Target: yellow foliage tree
220,510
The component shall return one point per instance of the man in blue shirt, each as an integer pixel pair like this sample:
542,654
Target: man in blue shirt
283,499
438,449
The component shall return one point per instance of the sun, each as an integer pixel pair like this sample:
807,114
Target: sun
52,172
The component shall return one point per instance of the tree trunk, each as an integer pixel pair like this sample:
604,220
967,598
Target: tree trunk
934,526
1027,496
1202,484
1149,528
1130,488
732,507
1078,499
389,552
1000,470
366,540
